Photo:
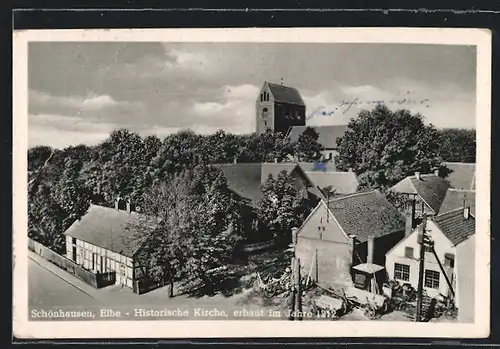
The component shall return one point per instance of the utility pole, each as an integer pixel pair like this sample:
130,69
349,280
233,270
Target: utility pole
291,317
298,297
421,239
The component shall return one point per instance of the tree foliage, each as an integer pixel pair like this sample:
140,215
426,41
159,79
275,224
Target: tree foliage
382,146
195,217
282,207
457,145
307,148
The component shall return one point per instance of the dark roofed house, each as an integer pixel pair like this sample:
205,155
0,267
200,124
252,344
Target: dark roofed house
105,240
244,179
428,190
328,136
347,231
454,199
279,107
462,175
453,236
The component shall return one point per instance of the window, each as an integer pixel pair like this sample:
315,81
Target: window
261,97
73,241
360,281
401,272
409,252
431,279
449,260
264,113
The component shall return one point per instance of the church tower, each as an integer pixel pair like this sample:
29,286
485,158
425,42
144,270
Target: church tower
278,108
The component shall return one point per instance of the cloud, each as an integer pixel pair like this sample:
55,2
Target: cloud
92,102
234,112
60,131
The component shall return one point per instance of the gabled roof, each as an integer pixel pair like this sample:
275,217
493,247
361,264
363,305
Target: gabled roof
328,134
454,199
285,94
338,182
366,215
244,179
430,188
455,227
274,169
462,175
109,228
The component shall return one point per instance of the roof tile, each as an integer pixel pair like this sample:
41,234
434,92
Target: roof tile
367,214
455,227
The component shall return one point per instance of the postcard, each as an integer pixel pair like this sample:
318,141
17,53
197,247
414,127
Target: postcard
216,183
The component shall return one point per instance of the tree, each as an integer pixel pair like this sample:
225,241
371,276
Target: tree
71,193
382,147
195,218
265,147
457,145
45,219
37,157
282,207
307,148
178,152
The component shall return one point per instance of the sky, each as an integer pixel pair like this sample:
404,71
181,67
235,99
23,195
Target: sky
81,91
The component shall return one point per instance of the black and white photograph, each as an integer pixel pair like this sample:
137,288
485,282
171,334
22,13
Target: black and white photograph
261,176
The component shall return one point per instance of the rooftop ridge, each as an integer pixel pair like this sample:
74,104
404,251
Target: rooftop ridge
459,189
352,195
449,213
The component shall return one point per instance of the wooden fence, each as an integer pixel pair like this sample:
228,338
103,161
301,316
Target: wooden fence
95,280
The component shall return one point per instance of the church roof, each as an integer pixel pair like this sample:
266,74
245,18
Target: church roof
285,94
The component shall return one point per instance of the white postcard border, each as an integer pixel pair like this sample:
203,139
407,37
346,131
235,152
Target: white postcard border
25,329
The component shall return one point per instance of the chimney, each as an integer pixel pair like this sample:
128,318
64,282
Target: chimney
370,249
436,172
275,160
353,243
128,205
466,208
466,212
235,160
417,175
295,230
350,169
117,203
410,216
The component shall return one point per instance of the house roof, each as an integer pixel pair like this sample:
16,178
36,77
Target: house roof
454,199
339,182
274,169
366,215
455,227
109,228
328,134
244,179
285,94
430,188
313,166
462,175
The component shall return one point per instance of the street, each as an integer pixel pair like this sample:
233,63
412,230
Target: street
45,289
